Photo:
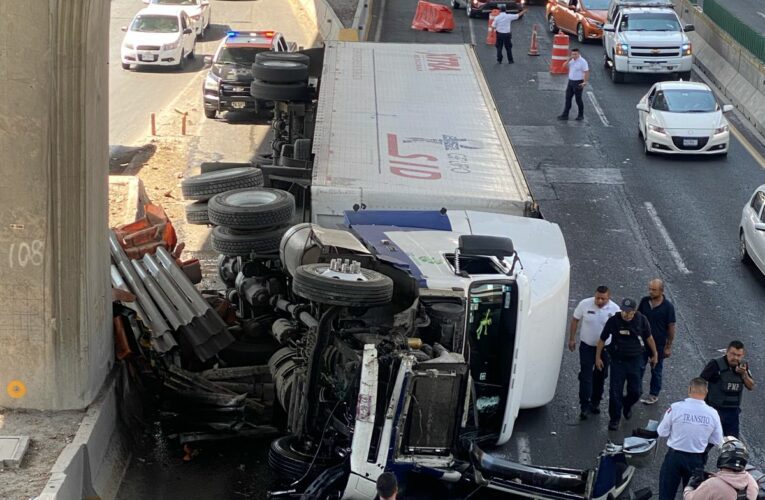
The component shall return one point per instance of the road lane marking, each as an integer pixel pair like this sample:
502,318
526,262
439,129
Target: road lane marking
378,30
760,13
747,145
472,34
667,239
524,450
598,109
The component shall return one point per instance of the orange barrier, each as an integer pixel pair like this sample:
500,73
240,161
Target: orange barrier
491,36
534,47
432,17
559,54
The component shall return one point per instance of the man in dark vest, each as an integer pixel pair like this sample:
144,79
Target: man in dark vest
727,377
630,332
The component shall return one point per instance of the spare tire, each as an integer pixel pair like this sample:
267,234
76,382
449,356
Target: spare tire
253,208
311,283
232,242
278,70
291,462
296,91
202,187
283,56
196,213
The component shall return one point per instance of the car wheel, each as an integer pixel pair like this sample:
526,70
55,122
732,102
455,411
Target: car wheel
210,113
551,25
580,34
312,282
616,76
251,208
297,91
125,66
742,252
232,242
202,187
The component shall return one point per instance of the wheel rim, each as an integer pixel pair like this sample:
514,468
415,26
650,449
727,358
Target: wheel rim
580,34
551,24
251,198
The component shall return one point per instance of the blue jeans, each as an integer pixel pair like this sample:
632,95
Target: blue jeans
623,370
504,40
678,466
656,371
591,380
729,420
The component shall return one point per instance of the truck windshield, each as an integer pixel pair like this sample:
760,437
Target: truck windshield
240,56
596,4
650,21
685,101
155,24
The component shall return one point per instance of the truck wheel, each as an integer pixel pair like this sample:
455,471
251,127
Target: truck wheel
684,75
202,187
210,113
616,76
551,25
296,91
232,242
286,458
196,213
125,66
315,282
285,56
302,149
215,166
278,70
251,208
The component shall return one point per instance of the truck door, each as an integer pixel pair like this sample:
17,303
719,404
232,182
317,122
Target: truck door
491,334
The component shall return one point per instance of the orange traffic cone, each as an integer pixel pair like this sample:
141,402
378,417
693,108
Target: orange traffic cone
559,54
534,48
491,36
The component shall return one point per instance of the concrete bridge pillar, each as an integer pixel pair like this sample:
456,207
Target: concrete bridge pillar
55,304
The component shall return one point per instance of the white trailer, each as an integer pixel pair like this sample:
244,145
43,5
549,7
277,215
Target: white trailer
410,127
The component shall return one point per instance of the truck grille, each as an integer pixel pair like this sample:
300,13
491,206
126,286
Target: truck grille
655,51
239,89
148,47
678,141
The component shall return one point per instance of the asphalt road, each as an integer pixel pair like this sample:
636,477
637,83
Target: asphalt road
621,213
612,202
749,12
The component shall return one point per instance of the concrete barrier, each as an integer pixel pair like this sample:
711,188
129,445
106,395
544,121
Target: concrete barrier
322,16
739,75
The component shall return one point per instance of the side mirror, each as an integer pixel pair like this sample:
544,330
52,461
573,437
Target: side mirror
608,27
124,28
688,27
641,106
187,31
759,226
208,60
727,107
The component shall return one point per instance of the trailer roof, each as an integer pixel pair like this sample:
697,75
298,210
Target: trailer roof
413,120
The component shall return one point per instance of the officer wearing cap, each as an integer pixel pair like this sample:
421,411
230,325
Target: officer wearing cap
732,482
689,426
630,332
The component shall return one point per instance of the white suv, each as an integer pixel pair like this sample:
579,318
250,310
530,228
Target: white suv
751,233
158,38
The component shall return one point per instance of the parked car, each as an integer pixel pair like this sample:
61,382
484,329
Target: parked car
198,10
751,233
158,39
585,19
682,117
475,8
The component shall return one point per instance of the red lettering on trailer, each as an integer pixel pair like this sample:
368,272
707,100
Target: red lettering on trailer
411,170
441,62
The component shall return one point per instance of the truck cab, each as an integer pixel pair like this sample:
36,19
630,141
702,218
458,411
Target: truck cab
227,85
648,38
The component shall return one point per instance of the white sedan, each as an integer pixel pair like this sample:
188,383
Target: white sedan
198,10
751,233
682,118
158,38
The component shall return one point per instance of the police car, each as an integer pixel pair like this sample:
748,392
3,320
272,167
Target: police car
227,86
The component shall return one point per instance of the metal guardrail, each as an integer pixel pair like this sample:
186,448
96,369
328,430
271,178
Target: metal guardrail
754,42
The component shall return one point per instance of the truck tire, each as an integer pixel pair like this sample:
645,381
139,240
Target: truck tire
302,149
310,283
285,56
278,70
296,91
196,213
210,113
202,187
616,76
232,243
291,463
215,166
251,208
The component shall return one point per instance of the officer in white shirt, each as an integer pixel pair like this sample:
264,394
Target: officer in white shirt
689,426
592,313
578,75
502,25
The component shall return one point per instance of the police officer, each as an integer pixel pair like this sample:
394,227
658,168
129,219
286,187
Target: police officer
689,426
592,313
727,377
629,331
502,24
732,482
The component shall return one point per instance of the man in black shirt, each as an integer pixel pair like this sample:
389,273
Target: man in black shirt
629,331
661,315
727,378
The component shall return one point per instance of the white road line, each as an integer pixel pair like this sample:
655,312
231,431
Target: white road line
378,30
760,13
667,240
472,33
598,109
524,450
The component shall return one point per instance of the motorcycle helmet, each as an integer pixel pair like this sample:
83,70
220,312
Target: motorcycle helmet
733,455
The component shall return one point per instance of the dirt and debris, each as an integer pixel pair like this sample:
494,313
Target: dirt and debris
49,433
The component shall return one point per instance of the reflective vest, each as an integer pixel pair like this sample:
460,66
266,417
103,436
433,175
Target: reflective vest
726,392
